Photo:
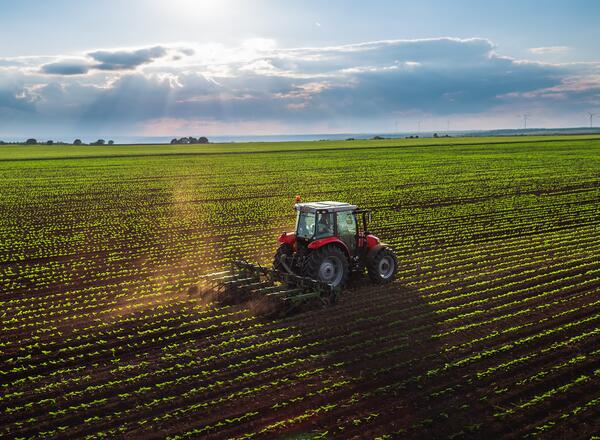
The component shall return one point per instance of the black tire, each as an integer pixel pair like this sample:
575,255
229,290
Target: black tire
328,264
283,249
383,266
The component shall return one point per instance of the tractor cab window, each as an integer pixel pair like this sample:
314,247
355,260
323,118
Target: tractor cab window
305,224
325,221
346,226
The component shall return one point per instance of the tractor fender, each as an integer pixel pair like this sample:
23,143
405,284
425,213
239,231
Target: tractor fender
372,241
287,238
330,240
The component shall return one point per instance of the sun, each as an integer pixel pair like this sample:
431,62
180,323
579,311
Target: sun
194,8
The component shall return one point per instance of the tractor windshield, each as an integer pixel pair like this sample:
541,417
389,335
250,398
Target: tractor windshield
305,224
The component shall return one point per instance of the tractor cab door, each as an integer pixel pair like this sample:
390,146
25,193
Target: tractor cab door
347,230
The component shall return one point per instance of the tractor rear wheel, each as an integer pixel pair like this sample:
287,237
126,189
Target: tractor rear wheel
283,250
328,264
383,267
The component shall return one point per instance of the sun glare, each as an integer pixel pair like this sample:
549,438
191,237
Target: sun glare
193,8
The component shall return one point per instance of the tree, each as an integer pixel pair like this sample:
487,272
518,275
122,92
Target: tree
31,141
111,142
49,142
190,140
77,142
98,142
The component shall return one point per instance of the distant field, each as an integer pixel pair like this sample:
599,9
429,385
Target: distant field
492,328
12,152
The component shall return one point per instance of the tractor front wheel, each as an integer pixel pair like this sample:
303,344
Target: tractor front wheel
383,266
328,264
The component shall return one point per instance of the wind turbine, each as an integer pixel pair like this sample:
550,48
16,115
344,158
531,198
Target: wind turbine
525,117
592,118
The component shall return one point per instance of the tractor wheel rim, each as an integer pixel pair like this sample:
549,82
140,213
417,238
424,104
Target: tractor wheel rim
330,271
386,267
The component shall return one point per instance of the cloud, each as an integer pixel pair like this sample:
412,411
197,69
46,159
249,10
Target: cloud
126,59
187,51
9,100
108,60
16,98
382,55
549,50
66,67
258,84
8,62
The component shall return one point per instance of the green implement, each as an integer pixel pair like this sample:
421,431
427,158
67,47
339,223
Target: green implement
272,292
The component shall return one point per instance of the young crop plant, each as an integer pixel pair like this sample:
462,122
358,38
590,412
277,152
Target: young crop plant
490,329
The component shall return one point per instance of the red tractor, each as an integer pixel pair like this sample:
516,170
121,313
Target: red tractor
313,263
330,242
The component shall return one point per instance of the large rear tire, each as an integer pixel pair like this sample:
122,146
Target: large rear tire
328,264
283,250
383,266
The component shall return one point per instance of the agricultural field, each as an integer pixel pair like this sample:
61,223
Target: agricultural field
492,328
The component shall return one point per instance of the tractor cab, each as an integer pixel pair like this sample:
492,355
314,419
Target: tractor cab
323,220
332,240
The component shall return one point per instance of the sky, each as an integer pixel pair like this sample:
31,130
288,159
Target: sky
239,67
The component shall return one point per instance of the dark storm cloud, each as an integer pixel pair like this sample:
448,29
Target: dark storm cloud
366,80
9,100
14,96
126,59
66,68
441,52
106,60
437,89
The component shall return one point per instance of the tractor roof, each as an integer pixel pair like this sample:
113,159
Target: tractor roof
324,206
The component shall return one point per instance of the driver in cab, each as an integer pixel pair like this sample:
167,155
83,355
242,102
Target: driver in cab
324,227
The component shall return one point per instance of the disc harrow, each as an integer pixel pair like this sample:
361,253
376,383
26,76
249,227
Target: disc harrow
269,291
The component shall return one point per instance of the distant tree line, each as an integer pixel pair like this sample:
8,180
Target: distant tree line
190,140
98,142
33,141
